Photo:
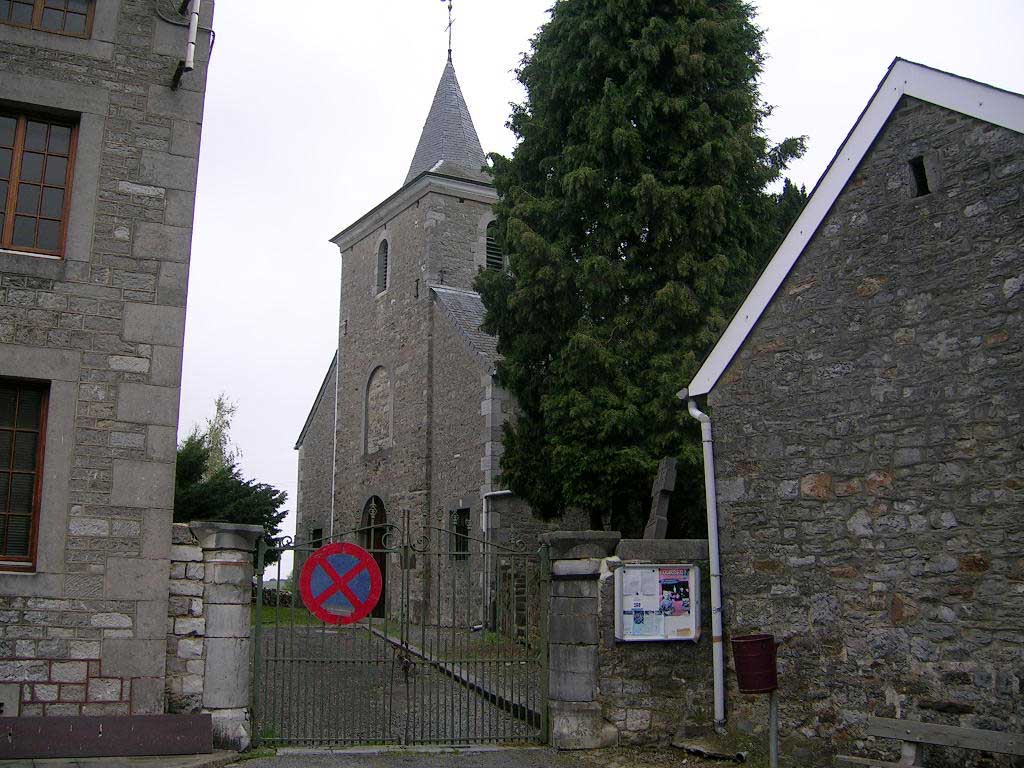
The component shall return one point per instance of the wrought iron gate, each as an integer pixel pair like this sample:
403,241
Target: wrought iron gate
457,655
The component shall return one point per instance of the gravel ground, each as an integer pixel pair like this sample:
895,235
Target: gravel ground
323,687
503,758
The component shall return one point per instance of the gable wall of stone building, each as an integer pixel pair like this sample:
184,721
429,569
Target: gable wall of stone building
85,632
867,439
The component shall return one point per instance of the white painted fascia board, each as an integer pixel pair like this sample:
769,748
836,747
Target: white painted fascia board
959,94
423,184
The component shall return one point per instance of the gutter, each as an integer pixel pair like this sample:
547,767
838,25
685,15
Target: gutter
711,499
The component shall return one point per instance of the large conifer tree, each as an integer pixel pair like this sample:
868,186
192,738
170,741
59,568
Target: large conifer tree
635,214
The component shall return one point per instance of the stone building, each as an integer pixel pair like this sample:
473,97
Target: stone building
98,162
867,402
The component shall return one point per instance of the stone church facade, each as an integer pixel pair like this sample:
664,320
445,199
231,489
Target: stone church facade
409,415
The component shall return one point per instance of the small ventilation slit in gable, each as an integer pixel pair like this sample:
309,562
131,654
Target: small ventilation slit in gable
920,176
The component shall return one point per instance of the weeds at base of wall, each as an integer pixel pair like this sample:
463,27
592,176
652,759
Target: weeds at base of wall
256,754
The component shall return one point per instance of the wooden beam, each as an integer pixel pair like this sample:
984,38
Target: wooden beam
947,735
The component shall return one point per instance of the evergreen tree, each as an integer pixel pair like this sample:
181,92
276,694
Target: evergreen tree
208,484
635,214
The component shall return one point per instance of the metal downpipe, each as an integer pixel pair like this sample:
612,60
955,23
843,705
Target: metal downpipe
711,499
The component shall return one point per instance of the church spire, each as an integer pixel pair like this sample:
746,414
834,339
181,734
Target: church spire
449,143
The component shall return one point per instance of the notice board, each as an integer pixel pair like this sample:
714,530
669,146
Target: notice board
657,602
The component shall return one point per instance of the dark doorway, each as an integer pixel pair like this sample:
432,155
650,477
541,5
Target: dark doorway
375,519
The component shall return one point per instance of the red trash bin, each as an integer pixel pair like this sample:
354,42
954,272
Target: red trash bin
754,656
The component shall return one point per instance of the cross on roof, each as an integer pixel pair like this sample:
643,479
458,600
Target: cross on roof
451,21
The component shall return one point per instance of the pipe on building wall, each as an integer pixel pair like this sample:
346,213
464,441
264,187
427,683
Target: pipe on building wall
189,62
711,498
193,31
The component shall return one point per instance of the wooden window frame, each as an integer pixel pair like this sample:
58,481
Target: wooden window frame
37,21
17,155
27,563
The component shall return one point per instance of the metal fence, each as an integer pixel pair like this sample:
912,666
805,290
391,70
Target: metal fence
456,652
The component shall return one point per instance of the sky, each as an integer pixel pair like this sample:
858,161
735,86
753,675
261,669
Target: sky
312,117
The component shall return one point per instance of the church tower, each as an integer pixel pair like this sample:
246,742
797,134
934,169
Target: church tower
412,437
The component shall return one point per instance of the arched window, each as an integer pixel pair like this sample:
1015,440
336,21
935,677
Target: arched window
495,258
382,266
377,412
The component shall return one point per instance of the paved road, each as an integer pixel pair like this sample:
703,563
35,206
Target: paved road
504,758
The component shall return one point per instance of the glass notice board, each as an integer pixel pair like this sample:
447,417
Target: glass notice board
657,602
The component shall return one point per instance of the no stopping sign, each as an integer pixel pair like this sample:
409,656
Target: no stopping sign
340,583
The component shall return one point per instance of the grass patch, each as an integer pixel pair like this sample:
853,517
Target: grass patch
284,616
255,754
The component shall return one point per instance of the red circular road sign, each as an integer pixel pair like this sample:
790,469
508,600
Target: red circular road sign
340,583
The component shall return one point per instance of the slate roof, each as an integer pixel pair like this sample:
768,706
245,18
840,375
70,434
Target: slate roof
466,311
448,143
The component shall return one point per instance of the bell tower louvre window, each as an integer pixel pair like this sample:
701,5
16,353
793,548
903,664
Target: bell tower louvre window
495,258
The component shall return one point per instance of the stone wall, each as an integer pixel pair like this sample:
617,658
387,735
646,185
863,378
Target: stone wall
84,632
186,624
603,691
655,692
208,626
868,450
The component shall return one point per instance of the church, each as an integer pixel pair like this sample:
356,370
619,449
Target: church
408,419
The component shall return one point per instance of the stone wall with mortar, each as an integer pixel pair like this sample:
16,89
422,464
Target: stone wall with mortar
85,632
208,626
869,456
603,691
186,624
656,692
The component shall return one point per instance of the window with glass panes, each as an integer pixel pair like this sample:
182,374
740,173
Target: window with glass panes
36,155
22,430
66,17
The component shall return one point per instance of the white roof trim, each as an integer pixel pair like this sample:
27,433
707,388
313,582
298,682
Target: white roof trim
969,97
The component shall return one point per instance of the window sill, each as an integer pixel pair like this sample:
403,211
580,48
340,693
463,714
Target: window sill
31,264
17,569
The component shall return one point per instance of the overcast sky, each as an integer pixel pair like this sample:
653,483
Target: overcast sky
312,116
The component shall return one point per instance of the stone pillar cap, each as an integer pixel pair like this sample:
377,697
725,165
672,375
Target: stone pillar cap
215,535
580,545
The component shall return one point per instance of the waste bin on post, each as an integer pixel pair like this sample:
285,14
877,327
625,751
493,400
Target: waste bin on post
754,658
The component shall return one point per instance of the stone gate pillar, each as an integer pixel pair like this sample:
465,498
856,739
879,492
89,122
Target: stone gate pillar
573,697
227,559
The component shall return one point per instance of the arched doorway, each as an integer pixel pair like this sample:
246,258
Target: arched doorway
374,525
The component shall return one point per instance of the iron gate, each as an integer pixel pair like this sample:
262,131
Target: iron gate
457,654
